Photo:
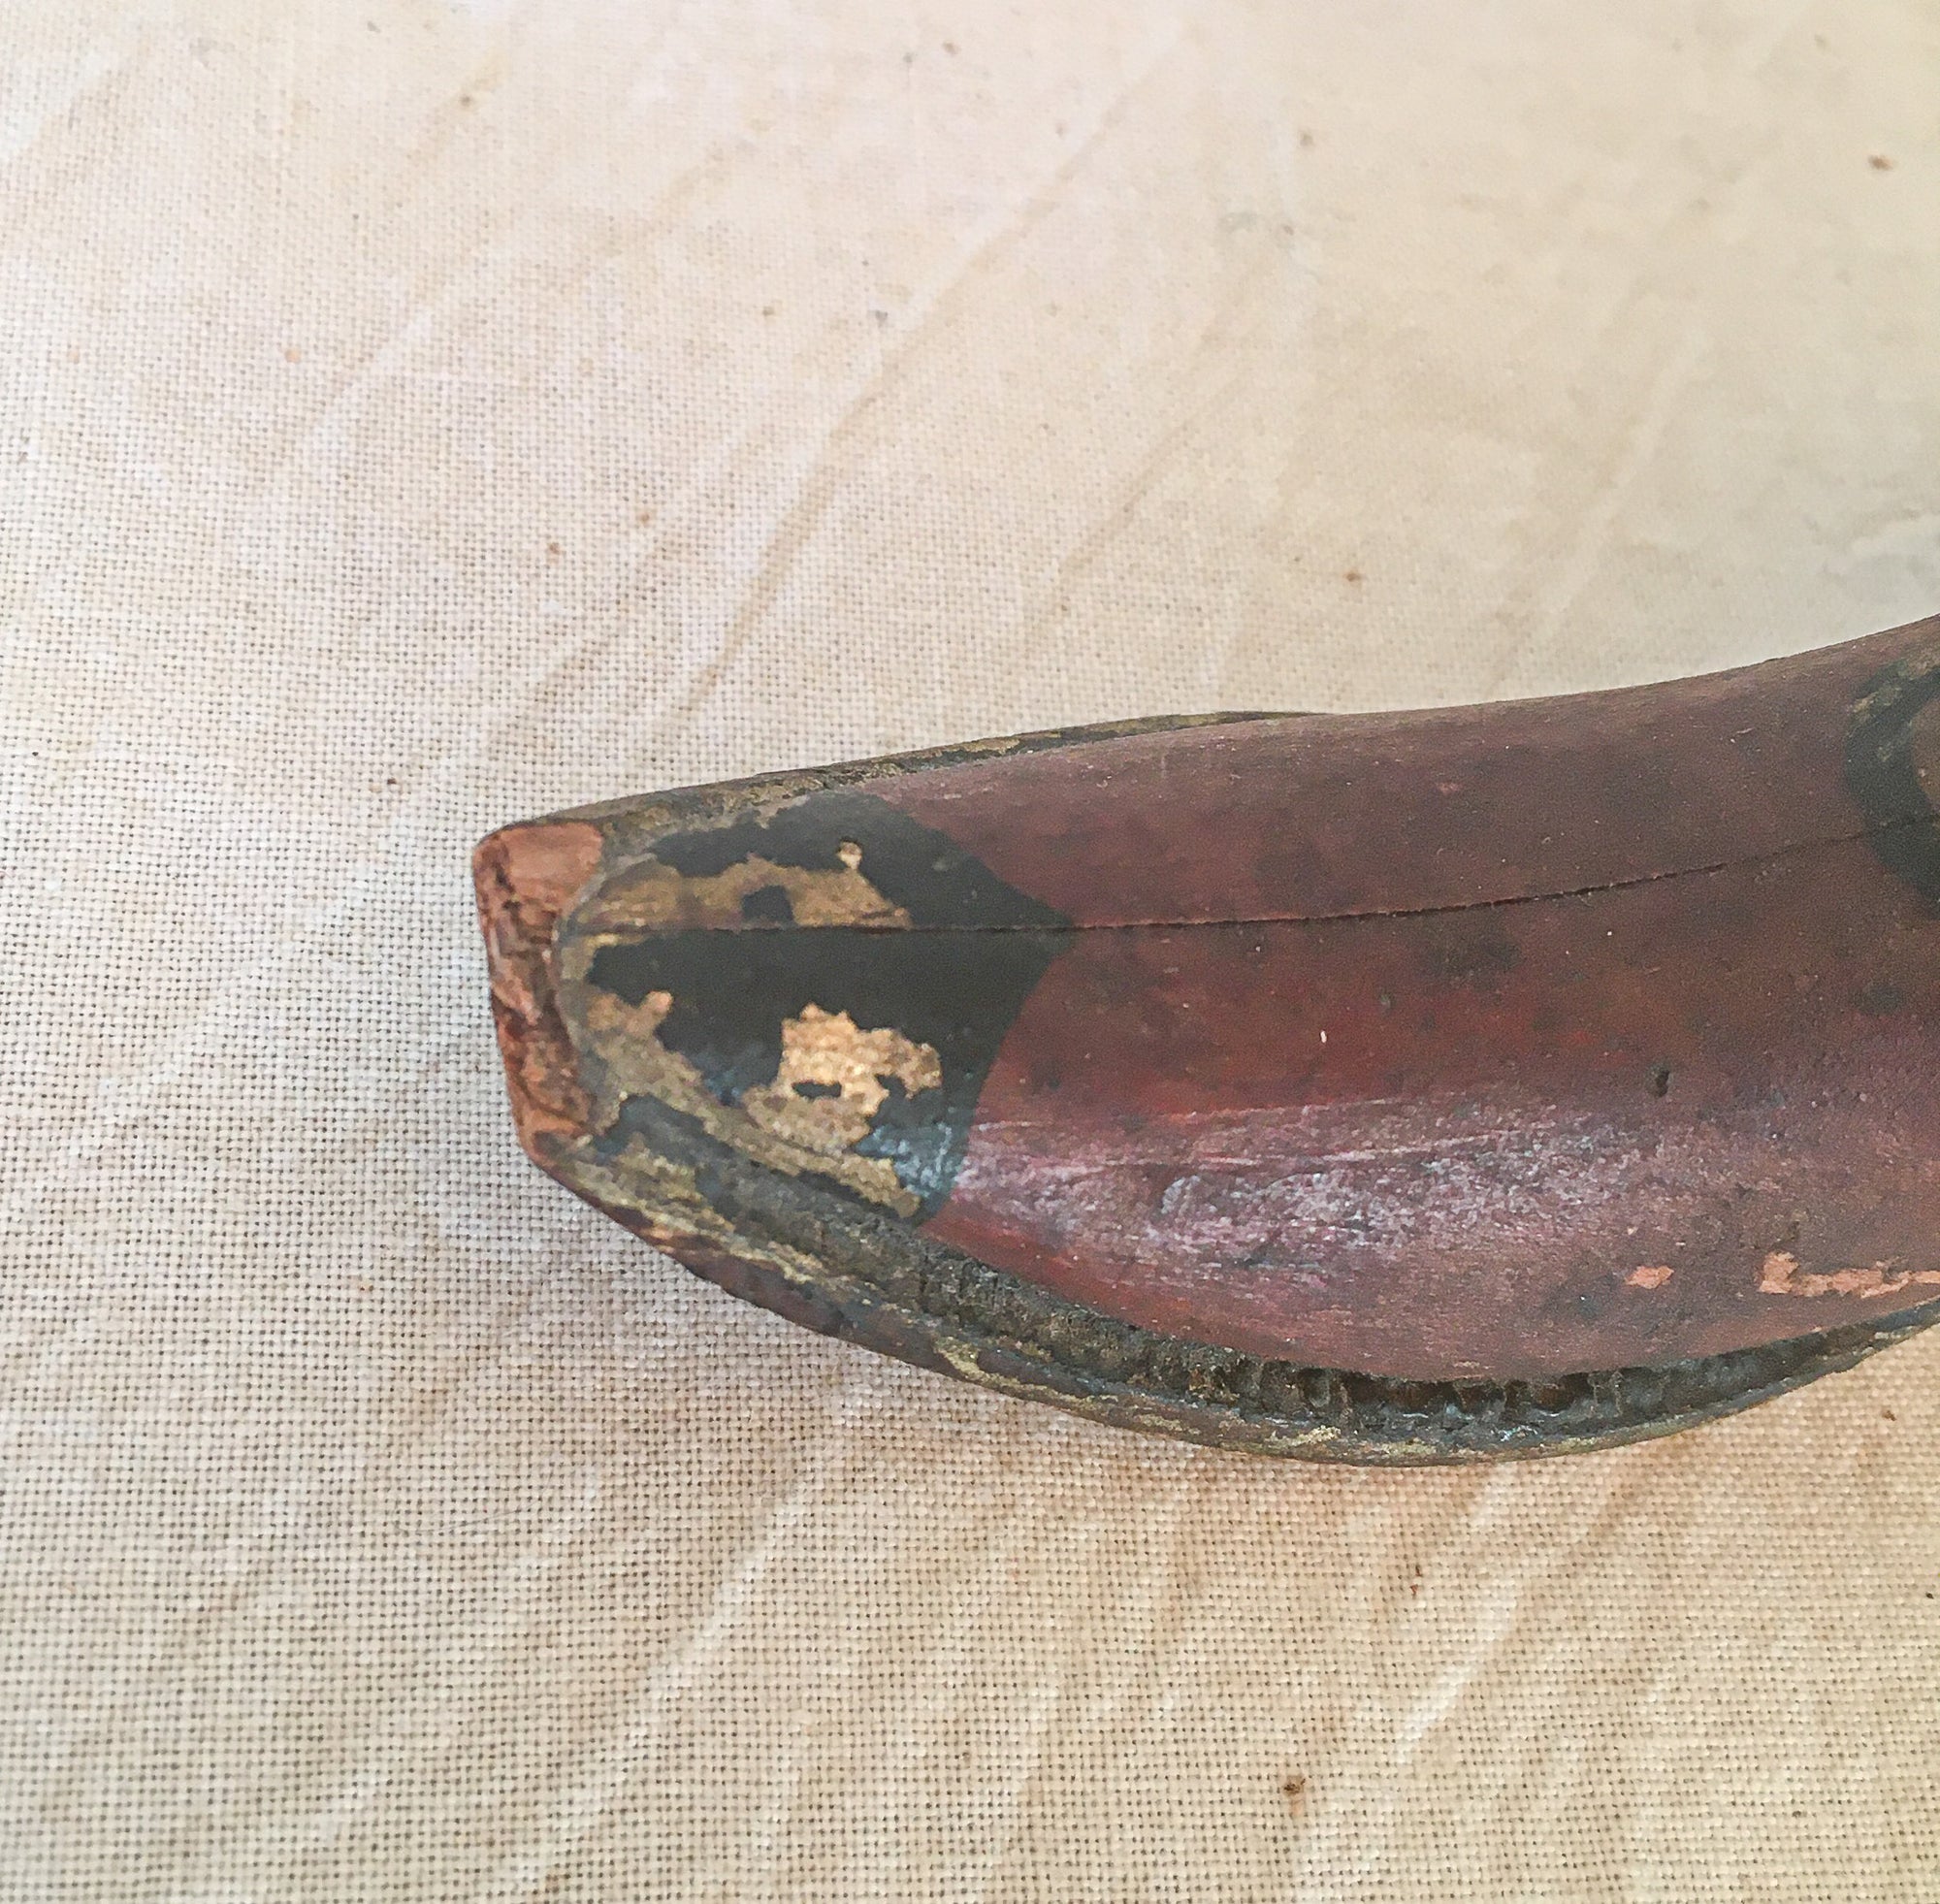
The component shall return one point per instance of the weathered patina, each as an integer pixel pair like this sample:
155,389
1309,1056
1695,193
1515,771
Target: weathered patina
1393,1087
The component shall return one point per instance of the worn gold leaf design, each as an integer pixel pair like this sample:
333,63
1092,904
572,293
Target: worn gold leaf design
773,1124
656,898
848,1069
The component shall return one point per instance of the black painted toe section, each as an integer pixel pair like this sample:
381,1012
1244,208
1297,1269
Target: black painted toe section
954,979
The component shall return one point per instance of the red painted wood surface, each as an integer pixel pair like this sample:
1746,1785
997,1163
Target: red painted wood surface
1422,1120
1553,1135
1502,1043
1316,815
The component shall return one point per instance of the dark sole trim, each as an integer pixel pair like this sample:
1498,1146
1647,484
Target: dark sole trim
816,1256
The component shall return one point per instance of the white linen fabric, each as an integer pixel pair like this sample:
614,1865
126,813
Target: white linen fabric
416,417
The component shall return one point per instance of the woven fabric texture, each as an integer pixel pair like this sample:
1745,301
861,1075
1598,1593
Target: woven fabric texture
416,417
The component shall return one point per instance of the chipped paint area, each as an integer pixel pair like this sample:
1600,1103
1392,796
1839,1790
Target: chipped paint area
651,898
1650,1275
775,1124
848,1068
1780,1276
624,1038
526,878
761,973
835,1076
